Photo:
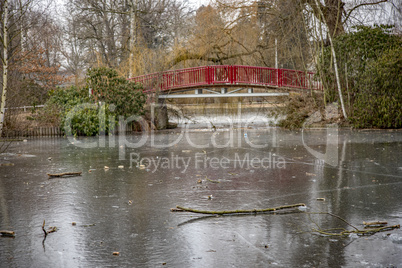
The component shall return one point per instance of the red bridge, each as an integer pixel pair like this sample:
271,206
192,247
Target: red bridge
227,76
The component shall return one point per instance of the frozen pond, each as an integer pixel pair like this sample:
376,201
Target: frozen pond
125,208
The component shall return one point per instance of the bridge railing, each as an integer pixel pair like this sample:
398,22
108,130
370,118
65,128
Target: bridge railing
228,75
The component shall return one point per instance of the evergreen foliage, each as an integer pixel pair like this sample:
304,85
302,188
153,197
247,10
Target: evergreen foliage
89,115
370,64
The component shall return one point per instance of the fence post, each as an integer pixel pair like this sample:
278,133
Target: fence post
231,72
209,75
279,78
234,74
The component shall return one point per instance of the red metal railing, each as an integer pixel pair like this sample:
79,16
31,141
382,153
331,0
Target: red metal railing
227,75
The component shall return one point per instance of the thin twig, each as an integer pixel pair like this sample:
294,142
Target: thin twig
213,181
344,232
336,216
43,228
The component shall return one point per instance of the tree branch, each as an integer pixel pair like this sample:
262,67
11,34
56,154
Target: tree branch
195,56
364,4
253,211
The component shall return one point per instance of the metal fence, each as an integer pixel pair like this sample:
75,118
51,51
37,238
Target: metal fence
25,107
34,132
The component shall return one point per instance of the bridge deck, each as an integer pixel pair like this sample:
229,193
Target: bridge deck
227,76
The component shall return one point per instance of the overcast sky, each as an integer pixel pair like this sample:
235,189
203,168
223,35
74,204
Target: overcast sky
198,3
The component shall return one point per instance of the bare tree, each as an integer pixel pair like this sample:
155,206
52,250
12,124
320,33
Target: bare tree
74,50
112,31
322,18
248,32
282,27
5,16
11,15
31,43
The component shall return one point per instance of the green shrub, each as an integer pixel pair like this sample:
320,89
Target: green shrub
88,120
82,114
380,104
369,61
65,99
108,87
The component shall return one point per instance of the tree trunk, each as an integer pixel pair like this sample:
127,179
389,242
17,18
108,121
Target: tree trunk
133,35
335,64
331,12
333,17
5,66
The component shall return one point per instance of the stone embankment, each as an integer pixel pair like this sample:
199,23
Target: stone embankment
330,115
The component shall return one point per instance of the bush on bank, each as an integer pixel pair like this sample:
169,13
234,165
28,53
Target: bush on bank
369,63
89,115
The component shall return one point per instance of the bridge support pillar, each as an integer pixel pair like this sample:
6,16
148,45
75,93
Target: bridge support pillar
224,90
198,91
250,90
161,114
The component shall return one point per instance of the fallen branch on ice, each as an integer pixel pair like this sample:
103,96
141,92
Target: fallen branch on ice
369,227
7,233
51,229
252,211
344,232
71,174
375,223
